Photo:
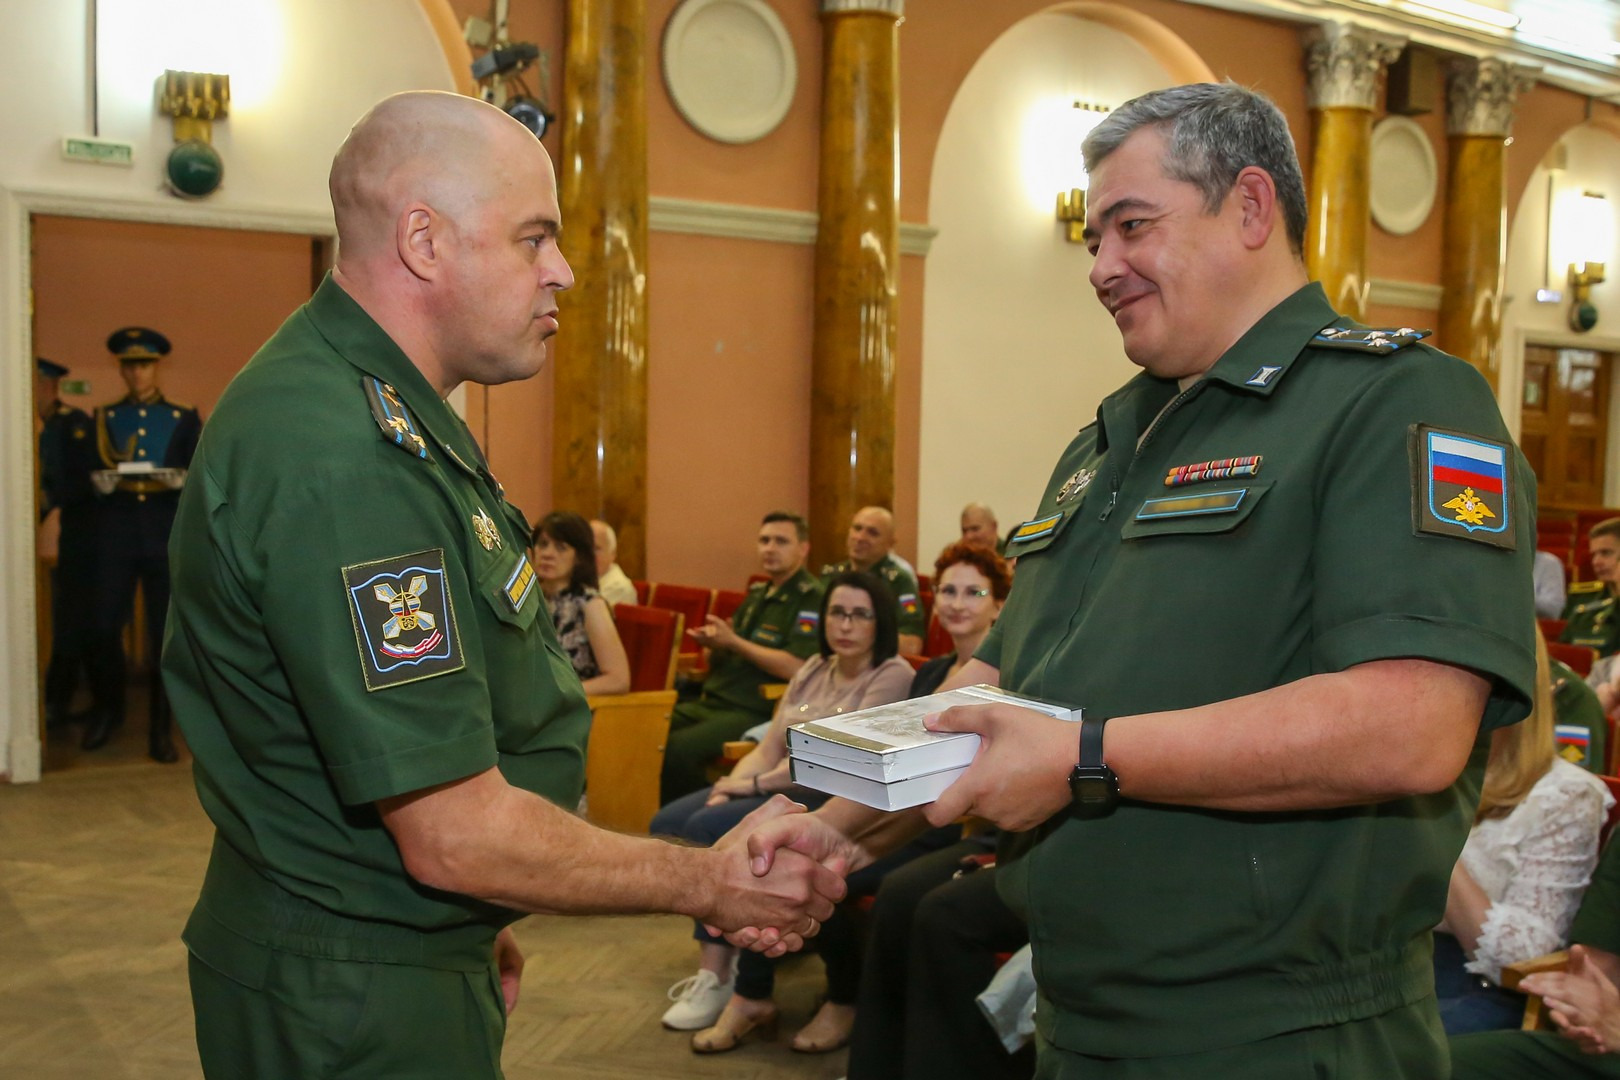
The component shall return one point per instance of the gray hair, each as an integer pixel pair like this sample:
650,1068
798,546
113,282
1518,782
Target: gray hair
1213,131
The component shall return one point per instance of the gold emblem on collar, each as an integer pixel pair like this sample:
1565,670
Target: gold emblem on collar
485,529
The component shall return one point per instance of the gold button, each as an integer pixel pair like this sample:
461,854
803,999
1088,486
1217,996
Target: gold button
140,431
140,498
140,453
143,414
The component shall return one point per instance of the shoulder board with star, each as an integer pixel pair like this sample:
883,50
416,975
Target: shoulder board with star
758,586
393,418
1582,587
1380,342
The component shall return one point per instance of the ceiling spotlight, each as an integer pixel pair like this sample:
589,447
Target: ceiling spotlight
531,114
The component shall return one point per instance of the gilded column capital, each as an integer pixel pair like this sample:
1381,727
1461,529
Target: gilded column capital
1343,61
1481,93
897,8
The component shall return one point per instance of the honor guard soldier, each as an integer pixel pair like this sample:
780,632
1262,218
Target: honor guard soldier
1285,571
66,453
1590,611
871,548
144,445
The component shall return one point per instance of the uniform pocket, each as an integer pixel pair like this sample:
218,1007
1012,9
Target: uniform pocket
1213,510
512,591
1040,533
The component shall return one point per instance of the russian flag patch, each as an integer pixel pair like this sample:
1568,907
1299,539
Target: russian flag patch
1462,486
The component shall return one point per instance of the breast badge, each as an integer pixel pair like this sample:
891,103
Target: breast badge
404,623
484,528
1462,486
1074,485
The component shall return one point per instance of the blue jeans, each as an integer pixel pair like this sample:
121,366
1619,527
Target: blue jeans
1468,1003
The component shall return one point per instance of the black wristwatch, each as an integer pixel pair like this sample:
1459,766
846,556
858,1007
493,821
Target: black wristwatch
1093,783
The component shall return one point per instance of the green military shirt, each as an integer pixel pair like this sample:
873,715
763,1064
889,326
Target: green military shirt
785,618
1286,508
1590,613
901,582
1582,731
354,617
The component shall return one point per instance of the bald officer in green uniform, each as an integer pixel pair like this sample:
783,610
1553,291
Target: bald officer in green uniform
1592,611
871,548
1286,573
768,639
383,722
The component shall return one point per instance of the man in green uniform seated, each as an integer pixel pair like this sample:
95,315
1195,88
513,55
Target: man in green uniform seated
1590,609
1584,1002
871,548
385,728
767,640
1286,573
1582,731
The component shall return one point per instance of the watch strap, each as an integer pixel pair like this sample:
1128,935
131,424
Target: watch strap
1091,741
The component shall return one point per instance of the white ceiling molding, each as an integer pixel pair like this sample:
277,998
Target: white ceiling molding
737,222
1570,71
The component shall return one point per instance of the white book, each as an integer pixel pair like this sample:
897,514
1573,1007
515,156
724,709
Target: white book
888,743
895,795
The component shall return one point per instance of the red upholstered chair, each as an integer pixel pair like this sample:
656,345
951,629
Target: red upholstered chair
692,603
759,577
651,637
726,603
938,642
916,662
1579,658
643,589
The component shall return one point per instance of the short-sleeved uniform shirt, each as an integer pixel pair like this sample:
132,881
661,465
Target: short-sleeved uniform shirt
902,582
1582,732
354,618
1597,923
1275,520
786,618
1593,619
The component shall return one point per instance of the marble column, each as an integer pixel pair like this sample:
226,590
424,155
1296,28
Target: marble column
852,417
1344,63
1480,95
599,425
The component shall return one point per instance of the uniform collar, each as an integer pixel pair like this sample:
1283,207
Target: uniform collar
1263,356
1256,364
351,330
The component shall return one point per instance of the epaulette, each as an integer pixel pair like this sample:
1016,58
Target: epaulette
1381,342
1587,587
397,424
758,586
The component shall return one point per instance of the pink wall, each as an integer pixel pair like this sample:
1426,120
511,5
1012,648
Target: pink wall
216,294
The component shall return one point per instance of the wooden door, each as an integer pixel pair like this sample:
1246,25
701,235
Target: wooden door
1564,427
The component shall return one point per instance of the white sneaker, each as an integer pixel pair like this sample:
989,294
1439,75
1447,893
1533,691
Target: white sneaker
699,1000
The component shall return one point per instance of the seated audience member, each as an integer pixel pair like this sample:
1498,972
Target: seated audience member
856,669
1550,583
1582,732
611,580
1527,861
1584,1004
980,528
565,566
777,628
971,583
1590,610
870,547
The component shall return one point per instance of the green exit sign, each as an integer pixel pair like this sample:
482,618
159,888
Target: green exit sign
99,151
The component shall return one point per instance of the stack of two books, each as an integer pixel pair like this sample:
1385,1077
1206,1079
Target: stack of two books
885,758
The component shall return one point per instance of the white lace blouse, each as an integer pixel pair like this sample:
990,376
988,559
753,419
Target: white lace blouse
1535,864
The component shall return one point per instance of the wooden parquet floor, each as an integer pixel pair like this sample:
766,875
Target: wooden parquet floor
98,870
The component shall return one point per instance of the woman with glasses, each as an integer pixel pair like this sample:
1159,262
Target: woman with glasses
857,669
564,554
970,585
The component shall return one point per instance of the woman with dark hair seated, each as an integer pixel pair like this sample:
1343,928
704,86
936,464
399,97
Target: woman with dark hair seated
970,585
564,553
857,669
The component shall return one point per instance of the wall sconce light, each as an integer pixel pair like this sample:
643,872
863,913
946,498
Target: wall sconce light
194,100
1071,204
1593,226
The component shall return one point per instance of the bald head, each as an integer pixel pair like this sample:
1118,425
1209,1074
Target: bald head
422,146
979,526
871,536
447,224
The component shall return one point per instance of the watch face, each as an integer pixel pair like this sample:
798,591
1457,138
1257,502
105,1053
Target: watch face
1095,789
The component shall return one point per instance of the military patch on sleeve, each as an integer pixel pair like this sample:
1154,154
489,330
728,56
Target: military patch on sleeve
1462,486
397,424
404,623
908,603
808,621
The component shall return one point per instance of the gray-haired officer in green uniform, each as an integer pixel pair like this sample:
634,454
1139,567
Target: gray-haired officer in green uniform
768,639
871,548
1592,610
383,723
1286,573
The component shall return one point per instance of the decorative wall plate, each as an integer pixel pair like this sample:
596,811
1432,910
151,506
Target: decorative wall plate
1404,175
729,67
